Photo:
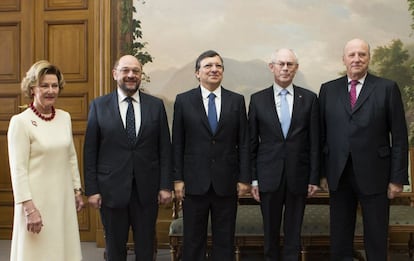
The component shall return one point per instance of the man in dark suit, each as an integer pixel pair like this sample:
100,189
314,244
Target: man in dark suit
285,154
127,159
365,152
211,160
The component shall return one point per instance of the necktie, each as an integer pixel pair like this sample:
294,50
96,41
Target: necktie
212,113
130,121
352,93
284,112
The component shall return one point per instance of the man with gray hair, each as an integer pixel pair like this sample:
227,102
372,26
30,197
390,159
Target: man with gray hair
284,140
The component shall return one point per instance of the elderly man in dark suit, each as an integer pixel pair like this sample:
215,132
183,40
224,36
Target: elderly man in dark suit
284,138
365,152
211,160
127,159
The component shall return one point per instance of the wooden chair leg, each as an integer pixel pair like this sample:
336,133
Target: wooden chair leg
358,256
173,253
303,254
237,253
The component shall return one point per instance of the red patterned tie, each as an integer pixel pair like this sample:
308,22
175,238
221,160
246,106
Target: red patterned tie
352,93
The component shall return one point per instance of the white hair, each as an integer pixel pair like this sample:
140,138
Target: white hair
273,56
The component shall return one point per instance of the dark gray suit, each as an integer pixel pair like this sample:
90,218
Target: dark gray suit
284,166
210,166
127,177
364,149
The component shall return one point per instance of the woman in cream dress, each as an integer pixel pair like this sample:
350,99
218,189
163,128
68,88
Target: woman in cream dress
44,173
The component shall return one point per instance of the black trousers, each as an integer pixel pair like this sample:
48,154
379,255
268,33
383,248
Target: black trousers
117,222
196,212
274,206
343,210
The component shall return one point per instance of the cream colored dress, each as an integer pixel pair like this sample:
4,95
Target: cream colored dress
44,168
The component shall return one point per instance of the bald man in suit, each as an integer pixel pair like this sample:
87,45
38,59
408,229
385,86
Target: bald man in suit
128,162
365,152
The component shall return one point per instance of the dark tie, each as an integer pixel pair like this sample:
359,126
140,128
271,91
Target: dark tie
352,93
130,121
212,112
284,112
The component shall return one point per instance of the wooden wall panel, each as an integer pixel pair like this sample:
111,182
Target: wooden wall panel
9,106
6,196
4,161
51,5
9,5
6,221
74,35
10,52
77,104
70,55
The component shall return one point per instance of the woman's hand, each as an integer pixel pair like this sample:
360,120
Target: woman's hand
34,222
79,201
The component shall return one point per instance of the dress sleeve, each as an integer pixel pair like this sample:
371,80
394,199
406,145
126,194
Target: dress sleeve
18,140
73,160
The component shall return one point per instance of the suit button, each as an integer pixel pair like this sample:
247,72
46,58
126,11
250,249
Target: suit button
213,142
213,160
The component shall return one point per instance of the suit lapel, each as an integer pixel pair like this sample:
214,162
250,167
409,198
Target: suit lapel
197,101
225,107
344,94
297,105
270,103
144,106
115,110
366,90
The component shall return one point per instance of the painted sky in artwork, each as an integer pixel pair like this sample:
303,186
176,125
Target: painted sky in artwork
244,30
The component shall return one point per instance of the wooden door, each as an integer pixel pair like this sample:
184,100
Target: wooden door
73,34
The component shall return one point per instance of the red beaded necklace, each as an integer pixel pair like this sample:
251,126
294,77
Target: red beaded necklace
40,115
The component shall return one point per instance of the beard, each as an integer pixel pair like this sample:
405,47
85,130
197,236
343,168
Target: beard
128,90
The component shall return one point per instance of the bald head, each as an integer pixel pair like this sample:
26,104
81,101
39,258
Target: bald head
358,42
356,58
127,73
128,59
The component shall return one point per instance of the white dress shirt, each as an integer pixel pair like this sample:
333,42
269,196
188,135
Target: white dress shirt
205,93
289,97
123,107
359,85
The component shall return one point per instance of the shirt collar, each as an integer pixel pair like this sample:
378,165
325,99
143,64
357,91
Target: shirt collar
277,88
205,92
122,96
361,81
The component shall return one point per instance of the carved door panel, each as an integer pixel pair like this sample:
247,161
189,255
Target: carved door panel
72,35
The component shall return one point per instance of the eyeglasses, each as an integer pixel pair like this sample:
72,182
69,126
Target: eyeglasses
126,70
283,64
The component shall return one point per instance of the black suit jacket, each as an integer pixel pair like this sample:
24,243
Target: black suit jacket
374,133
202,158
298,154
111,163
